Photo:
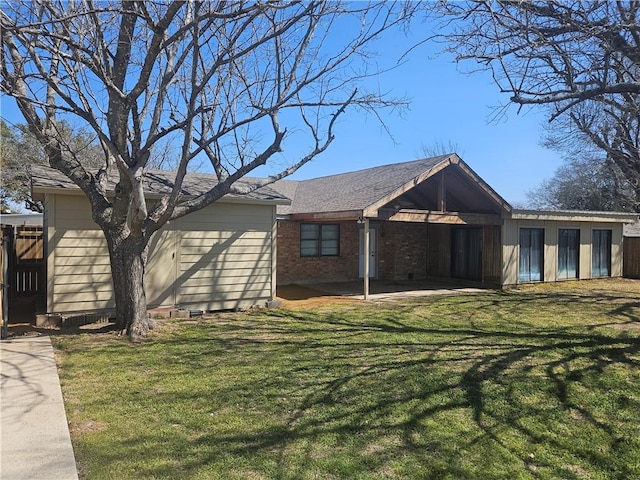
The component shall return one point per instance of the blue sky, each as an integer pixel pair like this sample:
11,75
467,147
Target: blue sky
447,107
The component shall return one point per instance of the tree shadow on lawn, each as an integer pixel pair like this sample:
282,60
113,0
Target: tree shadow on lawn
516,383
406,394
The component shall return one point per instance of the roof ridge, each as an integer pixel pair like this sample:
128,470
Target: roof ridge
386,165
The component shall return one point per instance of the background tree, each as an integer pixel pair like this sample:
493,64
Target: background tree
579,58
587,180
584,184
228,83
439,147
20,150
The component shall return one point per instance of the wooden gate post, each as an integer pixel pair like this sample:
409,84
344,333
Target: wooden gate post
5,241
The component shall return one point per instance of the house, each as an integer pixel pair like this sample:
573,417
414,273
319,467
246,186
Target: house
434,218
221,257
426,219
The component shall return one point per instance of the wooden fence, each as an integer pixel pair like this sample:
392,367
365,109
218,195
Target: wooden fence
24,274
27,275
631,257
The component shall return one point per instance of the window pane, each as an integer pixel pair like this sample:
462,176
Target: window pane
531,254
568,249
308,248
330,232
601,253
309,231
330,240
329,247
536,254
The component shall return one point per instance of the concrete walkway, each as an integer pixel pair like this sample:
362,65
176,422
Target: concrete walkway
35,442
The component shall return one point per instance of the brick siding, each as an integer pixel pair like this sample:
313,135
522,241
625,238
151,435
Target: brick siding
401,254
402,251
292,268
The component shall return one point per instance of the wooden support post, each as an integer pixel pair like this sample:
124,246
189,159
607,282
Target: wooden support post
366,258
442,194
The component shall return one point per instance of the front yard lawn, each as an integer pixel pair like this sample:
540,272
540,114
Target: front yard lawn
541,383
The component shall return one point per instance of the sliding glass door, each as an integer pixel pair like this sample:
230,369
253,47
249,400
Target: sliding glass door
601,254
568,253
466,253
531,255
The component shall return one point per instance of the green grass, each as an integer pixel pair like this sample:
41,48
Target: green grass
539,383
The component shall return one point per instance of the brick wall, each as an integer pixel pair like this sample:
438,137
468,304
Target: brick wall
405,251
402,251
401,254
292,268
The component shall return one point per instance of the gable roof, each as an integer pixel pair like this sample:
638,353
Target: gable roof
157,182
367,190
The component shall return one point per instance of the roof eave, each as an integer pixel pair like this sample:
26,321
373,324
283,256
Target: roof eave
574,215
38,193
323,216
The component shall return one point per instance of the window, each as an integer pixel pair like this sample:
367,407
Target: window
568,253
531,254
601,253
319,240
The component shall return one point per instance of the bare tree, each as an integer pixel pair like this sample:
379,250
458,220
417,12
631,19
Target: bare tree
439,147
228,82
579,58
584,184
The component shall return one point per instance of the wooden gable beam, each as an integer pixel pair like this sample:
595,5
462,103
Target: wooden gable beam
484,186
450,218
372,210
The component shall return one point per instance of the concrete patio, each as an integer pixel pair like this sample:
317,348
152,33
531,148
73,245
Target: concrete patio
379,290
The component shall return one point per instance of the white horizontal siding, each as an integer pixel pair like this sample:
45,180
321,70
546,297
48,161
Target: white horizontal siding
79,257
217,258
226,256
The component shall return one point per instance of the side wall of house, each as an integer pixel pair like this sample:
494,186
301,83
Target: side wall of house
404,251
293,268
226,257
401,250
511,247
218,258
78,269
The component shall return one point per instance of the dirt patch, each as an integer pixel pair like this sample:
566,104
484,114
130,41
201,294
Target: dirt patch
77,429
299,296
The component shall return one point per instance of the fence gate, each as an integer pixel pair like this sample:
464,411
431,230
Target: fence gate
25,279
631,257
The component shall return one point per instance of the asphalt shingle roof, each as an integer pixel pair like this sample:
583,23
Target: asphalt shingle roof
353,190
157,182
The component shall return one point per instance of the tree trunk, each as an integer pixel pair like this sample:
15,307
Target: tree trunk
128,262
